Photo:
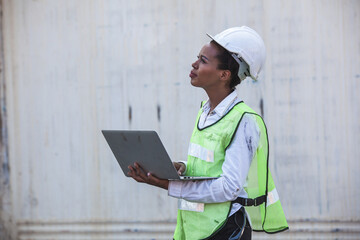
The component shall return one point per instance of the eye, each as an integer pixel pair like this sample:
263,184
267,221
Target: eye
201,59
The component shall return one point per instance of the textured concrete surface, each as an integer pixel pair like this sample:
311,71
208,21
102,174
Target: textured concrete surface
72,68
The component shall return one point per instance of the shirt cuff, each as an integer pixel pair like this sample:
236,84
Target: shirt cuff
174,189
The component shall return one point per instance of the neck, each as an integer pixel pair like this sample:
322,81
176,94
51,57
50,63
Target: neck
215,97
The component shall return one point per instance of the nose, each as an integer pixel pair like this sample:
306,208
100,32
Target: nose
195,64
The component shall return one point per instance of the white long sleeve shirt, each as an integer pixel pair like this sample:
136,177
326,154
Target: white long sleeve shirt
238,157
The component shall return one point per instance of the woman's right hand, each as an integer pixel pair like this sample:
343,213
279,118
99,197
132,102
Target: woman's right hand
180,167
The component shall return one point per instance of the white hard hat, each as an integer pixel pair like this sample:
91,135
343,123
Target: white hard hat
243,43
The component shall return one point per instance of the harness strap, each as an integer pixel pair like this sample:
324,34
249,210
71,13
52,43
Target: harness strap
250,201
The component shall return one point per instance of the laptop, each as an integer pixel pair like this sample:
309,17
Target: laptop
145,148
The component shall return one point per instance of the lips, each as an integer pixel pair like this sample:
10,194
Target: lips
192,75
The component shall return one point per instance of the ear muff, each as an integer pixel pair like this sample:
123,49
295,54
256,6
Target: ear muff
243,67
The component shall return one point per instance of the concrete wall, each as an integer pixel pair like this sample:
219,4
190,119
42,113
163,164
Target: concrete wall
72,68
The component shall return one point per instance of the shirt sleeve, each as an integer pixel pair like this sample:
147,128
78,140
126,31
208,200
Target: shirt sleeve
229,185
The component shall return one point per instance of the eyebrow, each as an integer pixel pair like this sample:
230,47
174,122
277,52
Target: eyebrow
202,56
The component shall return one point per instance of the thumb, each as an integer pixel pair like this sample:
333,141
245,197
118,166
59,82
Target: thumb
181,169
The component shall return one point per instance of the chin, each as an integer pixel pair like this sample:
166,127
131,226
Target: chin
193,83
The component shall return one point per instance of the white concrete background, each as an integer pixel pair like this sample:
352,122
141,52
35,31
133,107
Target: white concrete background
73,68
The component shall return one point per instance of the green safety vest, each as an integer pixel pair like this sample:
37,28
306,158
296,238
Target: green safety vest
206,156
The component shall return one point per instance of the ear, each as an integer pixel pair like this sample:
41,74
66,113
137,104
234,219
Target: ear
225,75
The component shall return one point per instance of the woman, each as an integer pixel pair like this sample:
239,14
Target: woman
229,142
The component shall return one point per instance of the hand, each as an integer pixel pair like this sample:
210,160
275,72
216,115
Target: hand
139,175
180,167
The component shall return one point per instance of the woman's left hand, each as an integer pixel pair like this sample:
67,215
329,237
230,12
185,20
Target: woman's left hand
139,175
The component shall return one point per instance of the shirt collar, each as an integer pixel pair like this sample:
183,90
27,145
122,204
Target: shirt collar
223,106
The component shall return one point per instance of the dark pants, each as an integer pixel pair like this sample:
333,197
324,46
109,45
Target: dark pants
233,227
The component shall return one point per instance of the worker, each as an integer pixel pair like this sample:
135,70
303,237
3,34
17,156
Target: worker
229,142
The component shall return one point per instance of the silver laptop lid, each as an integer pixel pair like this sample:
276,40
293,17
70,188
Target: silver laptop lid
143,147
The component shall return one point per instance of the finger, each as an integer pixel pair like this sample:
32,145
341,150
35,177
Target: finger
132,173
140,171
181,168
138,179
177,167
142,174
135,168
134,176
135,171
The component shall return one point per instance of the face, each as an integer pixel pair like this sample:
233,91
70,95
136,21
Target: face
205,73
